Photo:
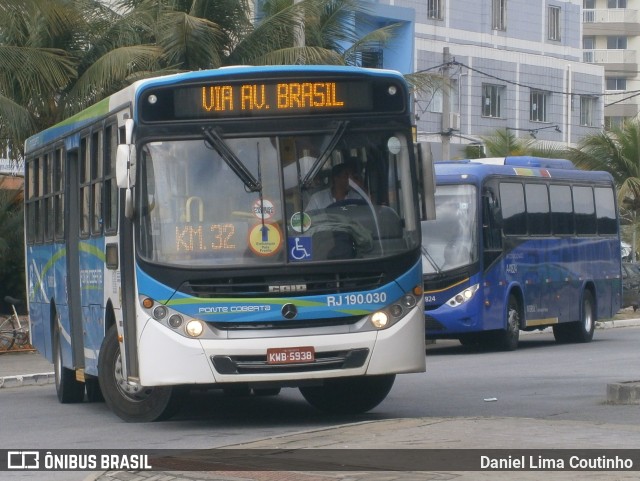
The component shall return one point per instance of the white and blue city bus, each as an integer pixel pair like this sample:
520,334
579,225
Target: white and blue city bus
520,243
169,243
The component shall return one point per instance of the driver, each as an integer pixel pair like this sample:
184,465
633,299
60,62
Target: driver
339,189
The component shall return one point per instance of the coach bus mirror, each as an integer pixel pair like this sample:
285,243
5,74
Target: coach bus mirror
428,181
128,203
122,166
126,166
128,131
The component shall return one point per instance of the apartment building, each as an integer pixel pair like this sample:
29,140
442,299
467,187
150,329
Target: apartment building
611,38
511,64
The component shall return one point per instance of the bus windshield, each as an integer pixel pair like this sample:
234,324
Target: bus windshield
275,199
449,241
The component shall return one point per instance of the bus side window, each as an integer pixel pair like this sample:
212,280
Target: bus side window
491,221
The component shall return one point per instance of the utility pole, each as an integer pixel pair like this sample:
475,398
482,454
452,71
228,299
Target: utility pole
445,134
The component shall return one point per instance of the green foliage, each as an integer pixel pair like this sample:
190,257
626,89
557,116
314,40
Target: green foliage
11,245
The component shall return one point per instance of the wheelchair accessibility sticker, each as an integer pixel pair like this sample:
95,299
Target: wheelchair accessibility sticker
299,248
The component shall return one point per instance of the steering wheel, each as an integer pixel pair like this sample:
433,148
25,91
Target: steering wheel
346,202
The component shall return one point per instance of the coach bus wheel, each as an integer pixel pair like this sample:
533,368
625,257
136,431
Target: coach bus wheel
582,330
68,388
131,402
351,395
94,394
507,339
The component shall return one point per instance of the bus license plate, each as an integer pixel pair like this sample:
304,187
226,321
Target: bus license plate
288,355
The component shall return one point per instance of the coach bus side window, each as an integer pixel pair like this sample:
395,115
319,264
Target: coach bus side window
48,197
58,187
584,209
605,210
492,237
110,186
85,187
513,208
561,209
537,209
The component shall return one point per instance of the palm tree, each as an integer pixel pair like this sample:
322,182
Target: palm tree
618,152
504,143
11,243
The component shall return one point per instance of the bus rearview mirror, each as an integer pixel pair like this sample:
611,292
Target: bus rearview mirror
125,166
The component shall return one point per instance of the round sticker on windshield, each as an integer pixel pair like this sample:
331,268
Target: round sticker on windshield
265,239
394,145
263,209
300,221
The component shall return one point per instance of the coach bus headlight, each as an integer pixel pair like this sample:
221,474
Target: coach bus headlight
194,328
379,319
463,296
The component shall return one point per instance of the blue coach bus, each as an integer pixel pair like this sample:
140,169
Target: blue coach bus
170,241
520,243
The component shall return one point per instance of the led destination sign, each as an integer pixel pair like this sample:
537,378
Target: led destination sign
265,99
271,98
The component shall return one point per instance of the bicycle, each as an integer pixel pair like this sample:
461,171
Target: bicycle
12,330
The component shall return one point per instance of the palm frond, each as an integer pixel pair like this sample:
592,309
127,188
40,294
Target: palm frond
108,74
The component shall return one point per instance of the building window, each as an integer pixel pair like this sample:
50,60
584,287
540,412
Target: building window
588,4
617,43
587,108
616,83
616,3
499,14
492,100
554,23
614,122
434,9
538,107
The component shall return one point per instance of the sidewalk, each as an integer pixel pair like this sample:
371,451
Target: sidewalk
395,436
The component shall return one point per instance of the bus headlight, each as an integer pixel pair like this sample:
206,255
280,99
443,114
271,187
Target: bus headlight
463,296
388,316
194,328
379,319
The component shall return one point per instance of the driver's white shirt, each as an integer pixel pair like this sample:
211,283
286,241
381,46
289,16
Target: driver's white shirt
324,198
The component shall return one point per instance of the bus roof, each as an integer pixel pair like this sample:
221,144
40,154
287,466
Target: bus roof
129,94
518,166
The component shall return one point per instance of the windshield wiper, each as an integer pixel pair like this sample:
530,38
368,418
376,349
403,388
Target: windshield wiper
212,137
427,256
317,165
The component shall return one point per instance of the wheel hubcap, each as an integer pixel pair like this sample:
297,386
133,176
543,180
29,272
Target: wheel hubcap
131,391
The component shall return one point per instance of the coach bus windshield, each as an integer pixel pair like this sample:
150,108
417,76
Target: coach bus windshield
278,199
450,241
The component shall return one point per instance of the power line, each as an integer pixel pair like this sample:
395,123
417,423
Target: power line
634,93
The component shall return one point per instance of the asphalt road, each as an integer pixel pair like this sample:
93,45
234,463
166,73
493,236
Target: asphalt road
540,380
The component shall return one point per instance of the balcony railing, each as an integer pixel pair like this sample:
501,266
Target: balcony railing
609,56
609,15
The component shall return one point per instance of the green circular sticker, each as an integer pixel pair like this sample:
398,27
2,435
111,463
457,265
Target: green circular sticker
300,221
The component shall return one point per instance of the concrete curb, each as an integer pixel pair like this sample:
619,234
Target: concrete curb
38,379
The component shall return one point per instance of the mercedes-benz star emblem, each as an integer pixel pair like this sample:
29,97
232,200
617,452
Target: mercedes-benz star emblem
289,311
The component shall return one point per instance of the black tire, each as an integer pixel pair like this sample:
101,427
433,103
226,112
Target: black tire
92,386
68,388
351,395
582,330
266,391
507,339
7,333
470,340
130,402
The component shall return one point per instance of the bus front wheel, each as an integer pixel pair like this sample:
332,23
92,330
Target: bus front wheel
507,339
131,402
352,395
